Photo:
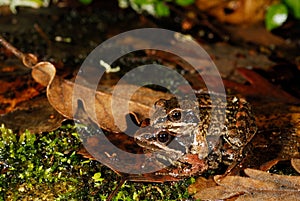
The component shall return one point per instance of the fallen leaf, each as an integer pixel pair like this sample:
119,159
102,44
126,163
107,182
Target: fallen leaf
296,164
259,185
281,181
260,87
235,12
60,94
35,115
201,183
282,149
15,91
256,34
270,196
207,189
278,135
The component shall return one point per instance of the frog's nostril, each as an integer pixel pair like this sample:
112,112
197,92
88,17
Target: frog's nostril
147,136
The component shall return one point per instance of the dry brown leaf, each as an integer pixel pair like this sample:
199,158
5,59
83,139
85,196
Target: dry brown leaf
201,184
282,181
236,12
35,115
296,164
14,92
61,95
243,184
216,193
278,135
256,34
259,185
64,96
270,196
260,87
207,189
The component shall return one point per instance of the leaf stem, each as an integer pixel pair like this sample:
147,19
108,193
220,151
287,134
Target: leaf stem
29,60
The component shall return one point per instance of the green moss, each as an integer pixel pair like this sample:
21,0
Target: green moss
46,166
154,191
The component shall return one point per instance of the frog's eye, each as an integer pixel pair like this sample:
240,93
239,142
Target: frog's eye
163,136
175,115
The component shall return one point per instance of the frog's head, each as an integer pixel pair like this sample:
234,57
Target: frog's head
171,127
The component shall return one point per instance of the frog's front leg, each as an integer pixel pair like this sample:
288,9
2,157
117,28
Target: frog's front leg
241,127
240,130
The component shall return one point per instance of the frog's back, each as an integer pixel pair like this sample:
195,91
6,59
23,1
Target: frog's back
227,122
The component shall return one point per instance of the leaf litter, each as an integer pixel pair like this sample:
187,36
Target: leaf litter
259,185
59,93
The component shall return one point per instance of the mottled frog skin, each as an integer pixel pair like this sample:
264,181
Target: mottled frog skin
193,136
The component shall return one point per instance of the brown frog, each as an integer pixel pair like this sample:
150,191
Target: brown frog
189,137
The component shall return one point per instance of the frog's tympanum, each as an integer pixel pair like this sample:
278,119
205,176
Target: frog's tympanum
191,137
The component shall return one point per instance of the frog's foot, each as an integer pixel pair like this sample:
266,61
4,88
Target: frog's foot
197,165
188,166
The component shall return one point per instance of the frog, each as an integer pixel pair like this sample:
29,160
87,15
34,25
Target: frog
190,136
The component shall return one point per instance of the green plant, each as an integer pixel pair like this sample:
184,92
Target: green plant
156,8
277,14
46,167
26,3
85,2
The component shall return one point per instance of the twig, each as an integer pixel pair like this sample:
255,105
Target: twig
112,194
42,33
29,60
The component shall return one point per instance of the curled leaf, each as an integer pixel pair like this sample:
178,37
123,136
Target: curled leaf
43,73
64,98
296,164
60,94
